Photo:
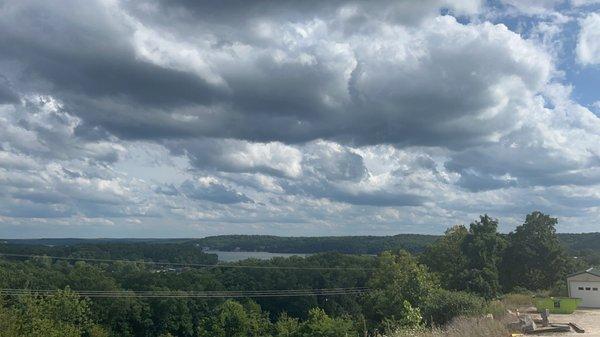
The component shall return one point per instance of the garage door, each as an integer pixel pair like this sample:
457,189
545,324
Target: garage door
589,292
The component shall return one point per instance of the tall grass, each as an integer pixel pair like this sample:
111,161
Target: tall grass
460,327
515,301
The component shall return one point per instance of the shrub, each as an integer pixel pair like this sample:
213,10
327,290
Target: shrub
441,306
495,308
411,318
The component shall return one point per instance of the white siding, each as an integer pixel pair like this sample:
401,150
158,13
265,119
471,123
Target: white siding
588,291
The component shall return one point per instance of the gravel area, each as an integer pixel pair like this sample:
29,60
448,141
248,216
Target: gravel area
588,319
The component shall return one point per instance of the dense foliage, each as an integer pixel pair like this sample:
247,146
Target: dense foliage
482,261
401,285
483,247
62,315
534,257
150,251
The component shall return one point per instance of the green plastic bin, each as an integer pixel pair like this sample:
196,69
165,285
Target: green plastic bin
557,305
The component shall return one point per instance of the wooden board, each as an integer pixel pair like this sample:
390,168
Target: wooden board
576,327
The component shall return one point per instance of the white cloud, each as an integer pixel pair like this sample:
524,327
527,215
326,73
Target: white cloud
240,156
588,44
578,3
534,7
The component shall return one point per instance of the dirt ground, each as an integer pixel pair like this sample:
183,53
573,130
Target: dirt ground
588,319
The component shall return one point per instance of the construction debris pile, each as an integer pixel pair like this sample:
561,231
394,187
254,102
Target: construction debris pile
526,324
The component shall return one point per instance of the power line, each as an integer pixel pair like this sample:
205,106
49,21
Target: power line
176,264
193,294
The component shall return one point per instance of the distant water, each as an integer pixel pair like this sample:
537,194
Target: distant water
238,256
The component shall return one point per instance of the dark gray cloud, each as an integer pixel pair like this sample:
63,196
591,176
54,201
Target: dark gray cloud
83,56
366,198
7,95
476,182
77,50
236,12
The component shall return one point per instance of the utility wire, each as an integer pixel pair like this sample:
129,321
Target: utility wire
182,264
193,294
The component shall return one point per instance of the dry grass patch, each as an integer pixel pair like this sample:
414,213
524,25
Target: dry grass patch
461,327
516,301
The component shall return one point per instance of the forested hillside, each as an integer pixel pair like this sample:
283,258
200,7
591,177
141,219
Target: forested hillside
340,244
416,243
149,251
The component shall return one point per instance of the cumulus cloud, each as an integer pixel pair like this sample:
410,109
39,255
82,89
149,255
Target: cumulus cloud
49,191
554,147
41,127
334,162
240,156
207,188
290,81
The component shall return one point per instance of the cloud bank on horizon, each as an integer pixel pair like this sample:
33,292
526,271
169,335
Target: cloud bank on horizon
190,118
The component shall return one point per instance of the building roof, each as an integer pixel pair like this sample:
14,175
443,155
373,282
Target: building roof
594,271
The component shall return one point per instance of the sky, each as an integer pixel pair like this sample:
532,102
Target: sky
175,118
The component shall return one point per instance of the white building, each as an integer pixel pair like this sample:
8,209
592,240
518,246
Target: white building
585,285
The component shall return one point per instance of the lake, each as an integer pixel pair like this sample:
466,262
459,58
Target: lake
238,256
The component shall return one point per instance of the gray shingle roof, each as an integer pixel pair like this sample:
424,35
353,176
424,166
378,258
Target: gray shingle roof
594,271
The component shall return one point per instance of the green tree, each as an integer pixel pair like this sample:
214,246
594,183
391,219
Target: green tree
446,258
483,247
287,326
411,319
10,321
61,315
398,280
128,317
173,316
233,319
534,258
319,324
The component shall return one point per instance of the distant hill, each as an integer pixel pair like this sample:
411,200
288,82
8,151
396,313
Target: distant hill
580,242
414,243
78,241
122,249
342,244
274,244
